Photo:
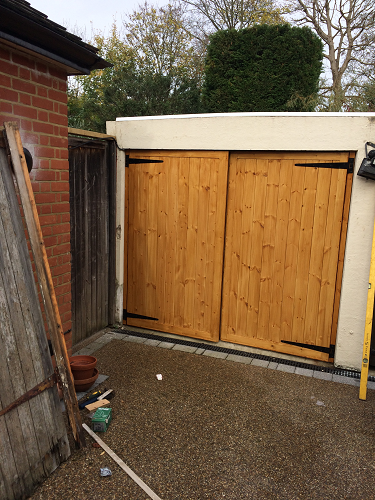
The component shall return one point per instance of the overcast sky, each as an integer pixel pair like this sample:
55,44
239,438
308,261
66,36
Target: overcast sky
85,14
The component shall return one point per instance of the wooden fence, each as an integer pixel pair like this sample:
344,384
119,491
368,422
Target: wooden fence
92,167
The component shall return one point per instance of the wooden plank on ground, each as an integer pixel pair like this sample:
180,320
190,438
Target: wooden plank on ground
122,464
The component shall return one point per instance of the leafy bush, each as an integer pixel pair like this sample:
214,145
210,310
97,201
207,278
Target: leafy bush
264,68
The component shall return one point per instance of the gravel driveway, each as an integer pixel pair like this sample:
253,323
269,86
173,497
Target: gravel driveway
214,429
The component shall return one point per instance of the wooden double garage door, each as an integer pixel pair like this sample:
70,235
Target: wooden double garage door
242,247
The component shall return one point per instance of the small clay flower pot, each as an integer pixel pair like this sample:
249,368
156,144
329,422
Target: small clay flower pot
84,385
82,366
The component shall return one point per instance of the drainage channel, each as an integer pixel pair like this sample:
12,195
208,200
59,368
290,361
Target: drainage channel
210,347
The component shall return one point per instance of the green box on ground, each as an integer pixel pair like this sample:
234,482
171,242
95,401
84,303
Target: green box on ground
101,419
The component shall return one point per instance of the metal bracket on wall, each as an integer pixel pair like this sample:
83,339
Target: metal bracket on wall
327,350
136,161
349,165
127,315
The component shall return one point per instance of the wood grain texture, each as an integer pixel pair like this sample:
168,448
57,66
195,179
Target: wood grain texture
44,278
284,225
175,241
340,267
92,194
33,436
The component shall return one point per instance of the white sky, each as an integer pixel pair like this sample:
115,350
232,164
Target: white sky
80,16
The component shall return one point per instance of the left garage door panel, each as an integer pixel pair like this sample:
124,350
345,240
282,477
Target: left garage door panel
176,241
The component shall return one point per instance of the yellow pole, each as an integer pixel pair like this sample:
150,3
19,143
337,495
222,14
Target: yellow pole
368,325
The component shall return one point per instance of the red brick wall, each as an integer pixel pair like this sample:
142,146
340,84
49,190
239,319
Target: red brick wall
33,93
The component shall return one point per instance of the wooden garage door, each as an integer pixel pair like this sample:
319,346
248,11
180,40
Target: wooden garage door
176,241
284,225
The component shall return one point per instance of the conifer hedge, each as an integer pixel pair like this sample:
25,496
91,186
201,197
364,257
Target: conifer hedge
263,68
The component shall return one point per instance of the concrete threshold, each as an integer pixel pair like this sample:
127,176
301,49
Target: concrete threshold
226,351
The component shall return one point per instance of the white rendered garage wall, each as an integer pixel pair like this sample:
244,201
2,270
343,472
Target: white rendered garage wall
283,132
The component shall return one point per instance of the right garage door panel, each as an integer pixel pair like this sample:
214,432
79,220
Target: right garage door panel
283,234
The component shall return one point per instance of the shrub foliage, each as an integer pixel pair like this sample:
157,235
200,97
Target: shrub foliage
263,68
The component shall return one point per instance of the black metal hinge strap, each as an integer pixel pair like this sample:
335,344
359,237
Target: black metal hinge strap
136,161
127,315
46,384
349,165
327,350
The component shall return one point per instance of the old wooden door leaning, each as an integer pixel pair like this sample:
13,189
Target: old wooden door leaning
33,439
284,241
176,241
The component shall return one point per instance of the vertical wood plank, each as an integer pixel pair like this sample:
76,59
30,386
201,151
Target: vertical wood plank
325,331
132,218
304,253
257,246
228,249
327,252
172,194
317,254
13,383
268,251
202,229
232,253
162,242
87,246
245,240
181,244
126,230
291,255
152,240
112,232
340,265
221,167
191,244
283,204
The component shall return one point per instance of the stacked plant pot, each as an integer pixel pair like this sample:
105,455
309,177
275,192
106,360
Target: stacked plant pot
84,372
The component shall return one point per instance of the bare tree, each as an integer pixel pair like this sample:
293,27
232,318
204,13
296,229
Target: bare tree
347,30
214,15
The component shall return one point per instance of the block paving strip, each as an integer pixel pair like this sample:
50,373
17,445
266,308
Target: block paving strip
259,360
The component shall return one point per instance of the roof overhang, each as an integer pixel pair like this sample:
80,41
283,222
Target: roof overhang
31,30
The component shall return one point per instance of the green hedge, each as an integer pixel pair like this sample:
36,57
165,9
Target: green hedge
264,68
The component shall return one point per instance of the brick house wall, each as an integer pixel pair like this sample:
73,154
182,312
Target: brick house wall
33,93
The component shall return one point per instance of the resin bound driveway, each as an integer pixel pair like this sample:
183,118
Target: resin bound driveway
217,428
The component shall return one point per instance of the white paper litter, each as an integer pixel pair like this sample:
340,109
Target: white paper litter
159,376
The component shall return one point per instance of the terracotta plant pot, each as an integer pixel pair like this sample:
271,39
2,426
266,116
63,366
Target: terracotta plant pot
82,366
84,385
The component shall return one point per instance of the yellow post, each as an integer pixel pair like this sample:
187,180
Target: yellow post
368,325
